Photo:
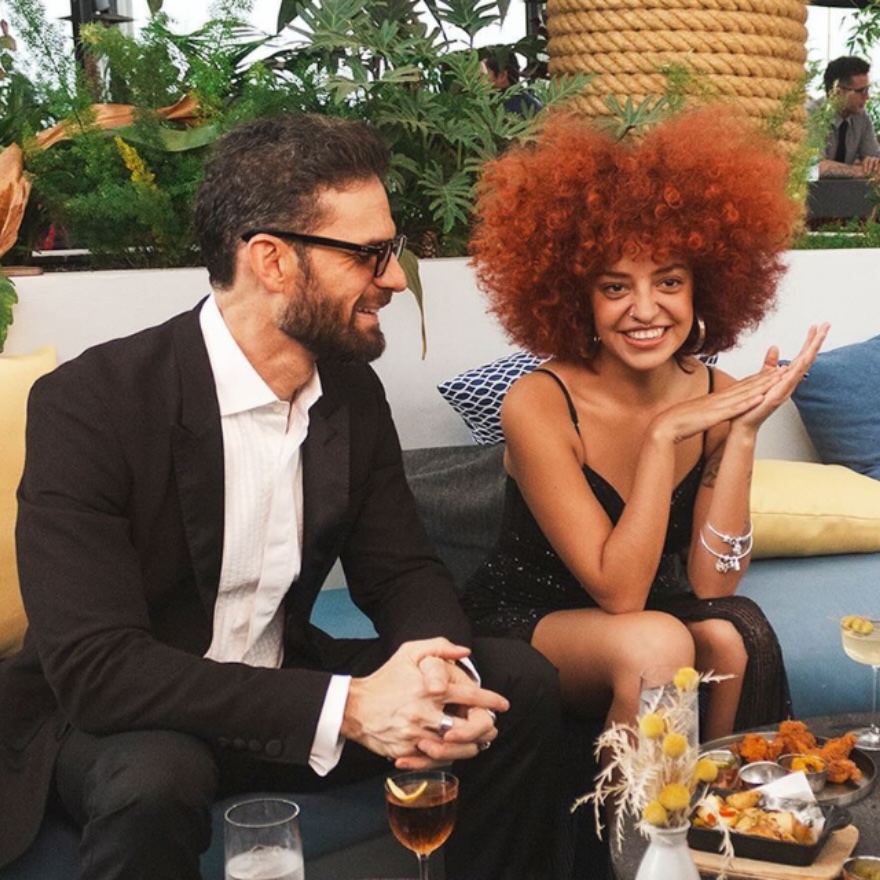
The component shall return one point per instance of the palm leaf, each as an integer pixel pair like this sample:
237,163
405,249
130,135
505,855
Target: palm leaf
410,265
172,140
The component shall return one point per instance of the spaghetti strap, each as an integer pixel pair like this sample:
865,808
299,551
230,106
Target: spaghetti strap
571,410
711,390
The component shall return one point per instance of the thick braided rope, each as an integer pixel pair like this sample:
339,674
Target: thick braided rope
751,51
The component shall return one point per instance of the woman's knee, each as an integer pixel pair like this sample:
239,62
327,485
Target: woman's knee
657,639
720,645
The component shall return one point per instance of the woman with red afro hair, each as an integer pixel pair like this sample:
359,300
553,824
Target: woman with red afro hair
626,527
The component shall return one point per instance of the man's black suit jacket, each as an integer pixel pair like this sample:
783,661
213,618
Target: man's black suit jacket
119,538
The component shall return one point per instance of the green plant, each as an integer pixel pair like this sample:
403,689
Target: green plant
8,298
124,192
416,77
863,36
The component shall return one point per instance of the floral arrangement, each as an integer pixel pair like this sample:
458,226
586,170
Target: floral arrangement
653,772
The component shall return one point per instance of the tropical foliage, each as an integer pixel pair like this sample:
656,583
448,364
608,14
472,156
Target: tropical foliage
122,186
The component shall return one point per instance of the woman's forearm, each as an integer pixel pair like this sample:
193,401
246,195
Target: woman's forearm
721,541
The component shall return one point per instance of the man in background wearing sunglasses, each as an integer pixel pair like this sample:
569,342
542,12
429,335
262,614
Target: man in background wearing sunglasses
185,494
852,149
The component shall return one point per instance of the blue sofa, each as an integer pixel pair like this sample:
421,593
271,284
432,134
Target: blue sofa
459,490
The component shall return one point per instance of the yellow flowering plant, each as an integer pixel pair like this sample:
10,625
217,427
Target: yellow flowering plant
652,771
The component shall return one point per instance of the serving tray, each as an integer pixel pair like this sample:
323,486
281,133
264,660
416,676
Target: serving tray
826,867
750,846
836,794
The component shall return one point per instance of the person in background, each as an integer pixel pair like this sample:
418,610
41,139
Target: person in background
186,492
852,149
626,526
502,70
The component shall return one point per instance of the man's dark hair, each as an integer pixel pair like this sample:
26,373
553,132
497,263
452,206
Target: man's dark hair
503,60
271,172
843,69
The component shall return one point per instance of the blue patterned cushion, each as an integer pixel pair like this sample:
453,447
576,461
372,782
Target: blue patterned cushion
476,394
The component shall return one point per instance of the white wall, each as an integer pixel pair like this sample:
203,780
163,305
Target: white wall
74,310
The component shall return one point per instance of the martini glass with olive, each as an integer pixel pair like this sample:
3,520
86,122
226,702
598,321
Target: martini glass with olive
861,642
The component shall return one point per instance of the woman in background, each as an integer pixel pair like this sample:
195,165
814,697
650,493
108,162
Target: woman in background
626,528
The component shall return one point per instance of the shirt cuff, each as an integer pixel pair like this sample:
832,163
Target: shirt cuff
470,669
327,744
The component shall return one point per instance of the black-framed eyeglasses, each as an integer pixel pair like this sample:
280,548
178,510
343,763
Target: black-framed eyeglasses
382,250
863,90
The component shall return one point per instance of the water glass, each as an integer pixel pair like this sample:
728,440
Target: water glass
262,840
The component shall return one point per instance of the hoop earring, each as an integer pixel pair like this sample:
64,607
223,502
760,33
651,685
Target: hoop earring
697,347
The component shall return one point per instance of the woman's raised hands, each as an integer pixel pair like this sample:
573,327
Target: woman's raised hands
787,378
746,404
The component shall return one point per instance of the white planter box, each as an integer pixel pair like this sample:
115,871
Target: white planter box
74,310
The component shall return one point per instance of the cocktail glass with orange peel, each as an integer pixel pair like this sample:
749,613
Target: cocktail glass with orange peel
421,811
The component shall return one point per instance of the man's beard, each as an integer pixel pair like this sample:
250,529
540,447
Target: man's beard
319,324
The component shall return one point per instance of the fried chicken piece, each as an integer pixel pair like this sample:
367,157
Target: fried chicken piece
843,770
836,754
754,747
840,747
795,737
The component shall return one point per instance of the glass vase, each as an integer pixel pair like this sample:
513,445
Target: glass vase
659,695
667,856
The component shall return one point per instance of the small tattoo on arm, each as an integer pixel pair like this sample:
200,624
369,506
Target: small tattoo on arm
710,472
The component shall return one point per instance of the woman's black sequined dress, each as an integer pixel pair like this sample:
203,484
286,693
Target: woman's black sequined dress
524,579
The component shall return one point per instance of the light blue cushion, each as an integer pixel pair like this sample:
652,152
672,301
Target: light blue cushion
839,404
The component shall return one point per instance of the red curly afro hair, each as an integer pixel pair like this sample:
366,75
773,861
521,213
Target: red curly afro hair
704,188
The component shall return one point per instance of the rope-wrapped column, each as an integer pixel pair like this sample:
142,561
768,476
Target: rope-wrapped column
752,51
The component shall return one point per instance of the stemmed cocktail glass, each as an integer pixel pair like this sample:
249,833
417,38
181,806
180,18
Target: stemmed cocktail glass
861,642
421,811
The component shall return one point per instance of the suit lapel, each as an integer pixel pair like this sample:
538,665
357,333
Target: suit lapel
326,485
197,451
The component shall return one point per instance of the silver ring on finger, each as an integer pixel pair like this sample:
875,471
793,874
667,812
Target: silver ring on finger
446,724
483,745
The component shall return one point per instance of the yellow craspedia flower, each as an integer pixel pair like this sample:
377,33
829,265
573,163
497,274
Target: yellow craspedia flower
652,725
686,679
655,814
675,796
706,770
674,745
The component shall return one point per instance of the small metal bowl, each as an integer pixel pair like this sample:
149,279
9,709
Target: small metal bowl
815,778
760,773
862,868
727,763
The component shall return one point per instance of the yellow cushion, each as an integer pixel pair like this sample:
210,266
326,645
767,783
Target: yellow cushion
17,374
802,508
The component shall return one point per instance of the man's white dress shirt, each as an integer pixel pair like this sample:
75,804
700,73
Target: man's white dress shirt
263,530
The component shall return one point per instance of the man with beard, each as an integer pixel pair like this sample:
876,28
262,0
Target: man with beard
185,494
